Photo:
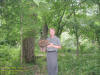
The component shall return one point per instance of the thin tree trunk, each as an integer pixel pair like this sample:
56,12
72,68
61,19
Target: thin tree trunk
77,40
45,30
98,38
21,34
76,34
59,24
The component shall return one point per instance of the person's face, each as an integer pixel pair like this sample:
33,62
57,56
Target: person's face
52,32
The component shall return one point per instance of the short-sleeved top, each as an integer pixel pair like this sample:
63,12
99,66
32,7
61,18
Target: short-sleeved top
56,41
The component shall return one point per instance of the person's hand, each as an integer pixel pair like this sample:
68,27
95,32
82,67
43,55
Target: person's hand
50,45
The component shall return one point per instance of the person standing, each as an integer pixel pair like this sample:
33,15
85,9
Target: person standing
52,48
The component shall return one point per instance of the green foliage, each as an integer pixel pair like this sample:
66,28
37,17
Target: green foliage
4,55
72,16
83,65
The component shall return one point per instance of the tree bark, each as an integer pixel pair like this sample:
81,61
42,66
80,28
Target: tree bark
21,34
76,34
77,40
45,31
28,49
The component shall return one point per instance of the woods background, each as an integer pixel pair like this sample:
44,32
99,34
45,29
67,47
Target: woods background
24,22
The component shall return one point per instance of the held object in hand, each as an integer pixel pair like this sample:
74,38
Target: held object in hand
43,44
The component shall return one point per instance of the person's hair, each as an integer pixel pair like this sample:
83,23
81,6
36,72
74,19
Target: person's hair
52,29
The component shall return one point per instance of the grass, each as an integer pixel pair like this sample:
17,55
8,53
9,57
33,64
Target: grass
68,63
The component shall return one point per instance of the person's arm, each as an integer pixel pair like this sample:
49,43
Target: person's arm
56,46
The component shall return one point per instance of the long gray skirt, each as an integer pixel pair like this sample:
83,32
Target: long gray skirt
52,65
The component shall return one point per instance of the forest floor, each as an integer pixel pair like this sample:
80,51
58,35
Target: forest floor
39,68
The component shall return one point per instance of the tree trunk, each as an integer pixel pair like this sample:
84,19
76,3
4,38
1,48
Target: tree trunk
77,40
59,24
44,31
28,49
21,34
43,42
76,34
